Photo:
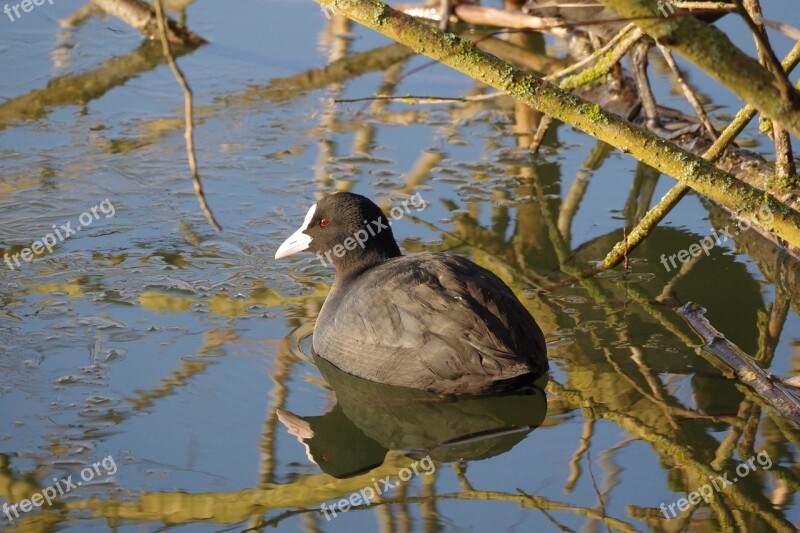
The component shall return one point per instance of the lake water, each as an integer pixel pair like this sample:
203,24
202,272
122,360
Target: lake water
168,368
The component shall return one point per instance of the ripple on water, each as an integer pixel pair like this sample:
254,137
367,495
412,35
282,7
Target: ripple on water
91,321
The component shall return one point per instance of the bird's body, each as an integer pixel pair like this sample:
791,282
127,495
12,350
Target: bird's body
431,321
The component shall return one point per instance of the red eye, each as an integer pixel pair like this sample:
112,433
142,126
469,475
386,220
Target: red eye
324,222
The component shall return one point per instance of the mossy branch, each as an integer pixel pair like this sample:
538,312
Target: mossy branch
711,51
657,213
745,367
467,58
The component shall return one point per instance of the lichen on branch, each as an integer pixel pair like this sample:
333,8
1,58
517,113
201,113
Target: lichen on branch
663,155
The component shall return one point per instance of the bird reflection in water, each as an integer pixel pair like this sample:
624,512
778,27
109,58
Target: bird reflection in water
370,418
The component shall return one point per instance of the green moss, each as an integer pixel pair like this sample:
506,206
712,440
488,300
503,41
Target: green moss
595,113
381,13
784,183
585,77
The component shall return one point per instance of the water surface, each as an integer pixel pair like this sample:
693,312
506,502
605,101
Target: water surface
150,339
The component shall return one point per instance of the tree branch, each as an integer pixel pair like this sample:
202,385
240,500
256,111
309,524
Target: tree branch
746,369
142,16
188,116
711,51
466,57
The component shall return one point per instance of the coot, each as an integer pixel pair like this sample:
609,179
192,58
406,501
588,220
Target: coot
430,321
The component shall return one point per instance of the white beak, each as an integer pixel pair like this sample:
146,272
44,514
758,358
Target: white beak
297,241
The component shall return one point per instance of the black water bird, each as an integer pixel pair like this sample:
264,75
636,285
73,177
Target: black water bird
430,321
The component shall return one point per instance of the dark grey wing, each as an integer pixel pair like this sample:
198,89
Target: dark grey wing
434,317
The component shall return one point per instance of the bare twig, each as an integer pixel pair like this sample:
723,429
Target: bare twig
784,162
411,99
789,31
703,177
510,19
679,190
188,115
766,55
687,91
595,55
575,462
144,18
80,16
707,6
605,64
541,130
473,14
746,369
709,49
